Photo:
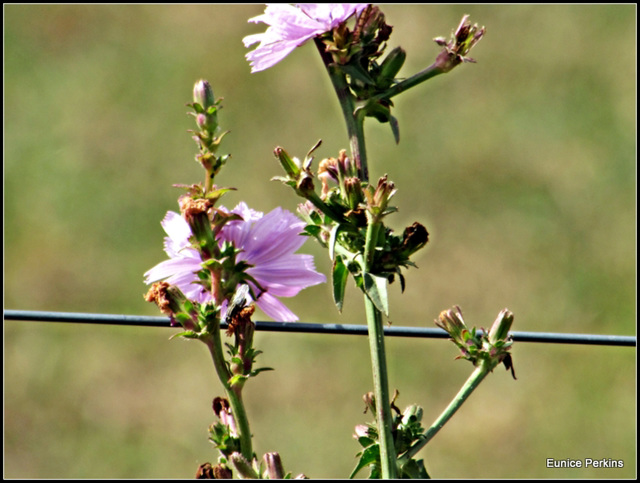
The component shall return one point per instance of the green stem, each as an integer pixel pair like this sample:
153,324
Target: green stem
426,74
354,121
234,394
355,132
381,390
469,386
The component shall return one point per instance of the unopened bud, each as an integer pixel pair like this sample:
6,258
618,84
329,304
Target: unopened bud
501,326
412,414
274,466
451,320
390,67
462,41
203,94
290,165
243,466
370,402
378,199
353,192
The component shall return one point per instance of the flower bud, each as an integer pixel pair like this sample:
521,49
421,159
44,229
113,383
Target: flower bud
243,466
222,409
500,329
274,466
344,164
451,320
370,402
390,67
353,192
361,431
378,199
461,42
203,94
412,414
290,165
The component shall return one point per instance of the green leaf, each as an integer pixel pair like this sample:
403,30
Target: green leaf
188,334
332,240
376,289
370,456
340,274
312,230
415,470
255,372
237,379
358,73
395,128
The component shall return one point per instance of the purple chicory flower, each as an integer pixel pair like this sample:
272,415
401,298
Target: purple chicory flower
290,26
268,245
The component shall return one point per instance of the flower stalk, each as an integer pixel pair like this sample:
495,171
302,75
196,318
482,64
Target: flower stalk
469,386
354,121
348,219
213,342
381,389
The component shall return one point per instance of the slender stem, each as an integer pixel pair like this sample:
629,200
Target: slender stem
355,132
354,121
214,343
381,390
426,74
469,386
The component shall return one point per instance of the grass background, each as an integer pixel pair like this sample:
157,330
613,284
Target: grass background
522,167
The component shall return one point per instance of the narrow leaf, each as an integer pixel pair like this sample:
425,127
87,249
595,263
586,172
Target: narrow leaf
370,456
395,128
340,274
332,240
376,289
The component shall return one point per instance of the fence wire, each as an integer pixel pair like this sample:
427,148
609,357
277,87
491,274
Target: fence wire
319,328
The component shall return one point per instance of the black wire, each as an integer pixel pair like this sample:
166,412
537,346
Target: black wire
301,327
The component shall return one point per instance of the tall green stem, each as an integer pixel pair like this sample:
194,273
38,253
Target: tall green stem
381,390
469,386
353,120
355,131
214,343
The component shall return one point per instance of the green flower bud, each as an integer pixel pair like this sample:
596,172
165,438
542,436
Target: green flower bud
451,321
462,41
203,94
353,192
290,165
390,67
501,326
412,414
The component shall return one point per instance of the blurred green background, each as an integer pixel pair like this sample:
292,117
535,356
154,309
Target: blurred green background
521,166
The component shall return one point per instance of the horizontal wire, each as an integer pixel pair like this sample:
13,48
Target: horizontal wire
301,327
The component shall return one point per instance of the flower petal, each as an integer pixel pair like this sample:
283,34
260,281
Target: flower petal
291,26
275,309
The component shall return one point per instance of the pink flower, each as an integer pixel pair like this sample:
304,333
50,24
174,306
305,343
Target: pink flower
291,26
268,245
